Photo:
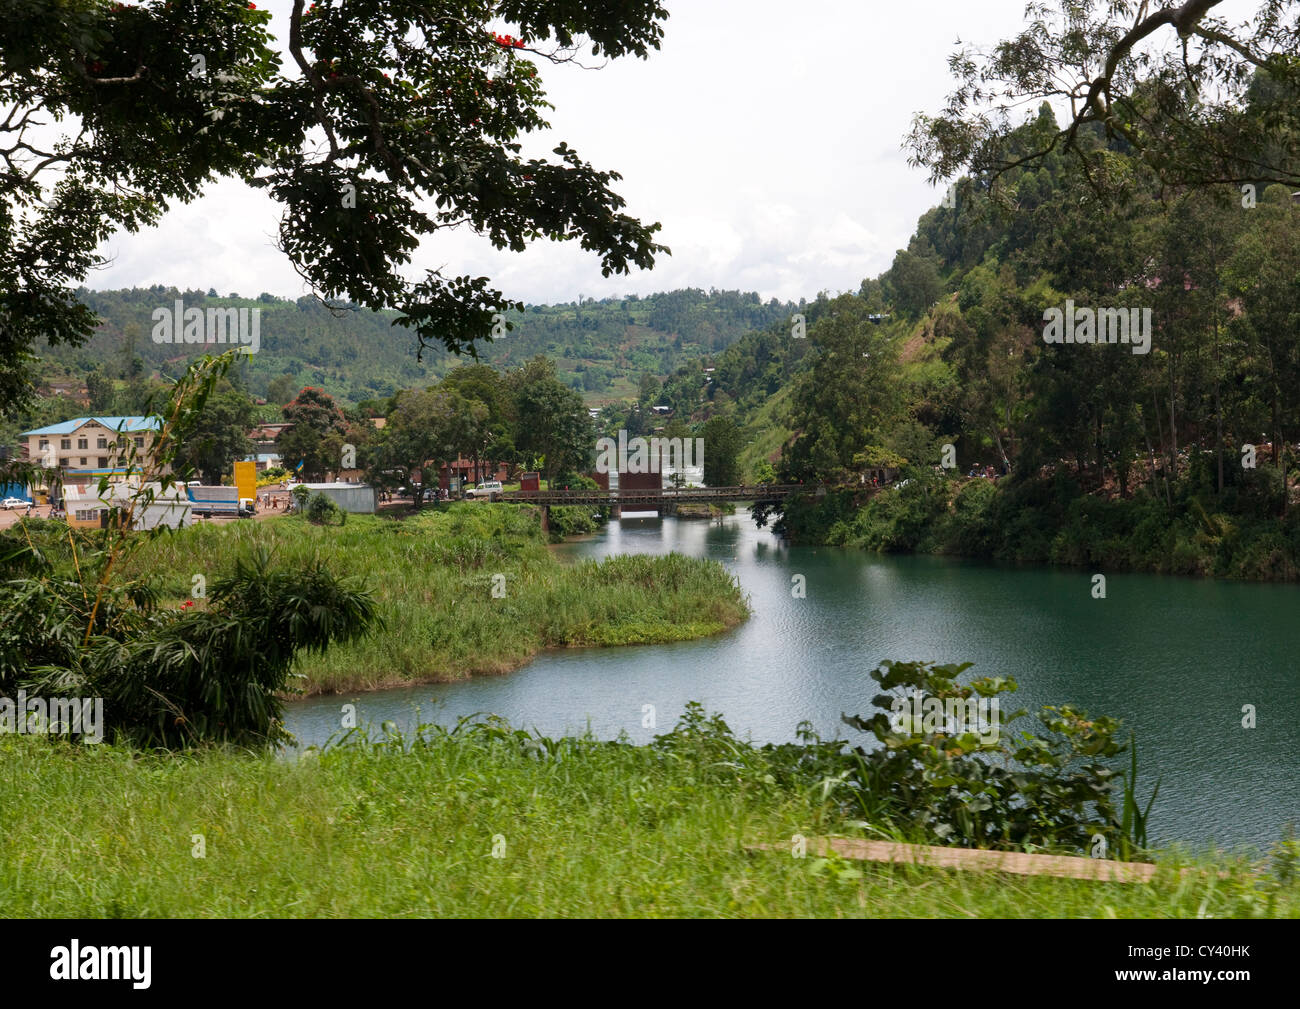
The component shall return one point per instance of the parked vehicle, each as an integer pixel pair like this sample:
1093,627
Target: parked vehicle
490,489
13,502
210,501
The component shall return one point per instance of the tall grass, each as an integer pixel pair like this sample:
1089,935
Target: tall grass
434,577
583,829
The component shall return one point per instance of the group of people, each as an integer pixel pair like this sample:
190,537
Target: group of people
988,472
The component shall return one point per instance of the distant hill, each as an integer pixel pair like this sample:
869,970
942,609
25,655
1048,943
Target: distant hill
602,347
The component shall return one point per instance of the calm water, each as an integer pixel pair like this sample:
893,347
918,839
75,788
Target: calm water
1175,659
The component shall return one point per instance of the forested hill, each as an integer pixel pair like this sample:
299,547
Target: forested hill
962,358
602,348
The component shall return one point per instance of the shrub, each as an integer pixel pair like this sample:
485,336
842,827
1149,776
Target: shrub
1050,789
573,520
177,678
321,510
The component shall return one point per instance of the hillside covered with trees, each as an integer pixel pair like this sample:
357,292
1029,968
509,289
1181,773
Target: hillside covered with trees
601,348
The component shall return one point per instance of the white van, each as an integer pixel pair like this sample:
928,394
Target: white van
490,489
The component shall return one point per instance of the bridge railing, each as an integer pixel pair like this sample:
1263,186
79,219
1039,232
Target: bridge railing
754,492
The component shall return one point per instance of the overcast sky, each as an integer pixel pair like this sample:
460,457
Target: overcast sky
764,135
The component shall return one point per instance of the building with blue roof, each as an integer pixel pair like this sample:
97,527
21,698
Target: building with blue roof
87,448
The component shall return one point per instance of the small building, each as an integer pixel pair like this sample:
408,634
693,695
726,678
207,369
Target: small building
357,498
86,509
75,391
264,461
171,507
263,437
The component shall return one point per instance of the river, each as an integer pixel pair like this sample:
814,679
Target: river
1175,659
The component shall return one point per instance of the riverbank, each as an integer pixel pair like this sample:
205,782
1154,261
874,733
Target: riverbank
463,590
492,825
1050,522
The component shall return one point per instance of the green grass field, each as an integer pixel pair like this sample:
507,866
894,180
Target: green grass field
589,830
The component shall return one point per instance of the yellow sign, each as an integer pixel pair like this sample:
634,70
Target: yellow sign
246,479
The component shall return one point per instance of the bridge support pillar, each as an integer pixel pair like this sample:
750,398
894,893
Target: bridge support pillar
546,518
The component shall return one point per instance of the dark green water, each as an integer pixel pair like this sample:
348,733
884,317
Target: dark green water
1174,659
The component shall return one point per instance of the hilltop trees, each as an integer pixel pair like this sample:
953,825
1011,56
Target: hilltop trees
429,426
99,391
491,432
722,445
280,390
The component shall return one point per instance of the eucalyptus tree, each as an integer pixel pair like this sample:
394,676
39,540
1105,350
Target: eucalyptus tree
552,424
1264,277
1203,101
845,401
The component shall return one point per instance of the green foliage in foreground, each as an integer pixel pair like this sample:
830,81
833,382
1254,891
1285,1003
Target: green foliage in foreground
432,576
72,625
974,781
173,676
406,828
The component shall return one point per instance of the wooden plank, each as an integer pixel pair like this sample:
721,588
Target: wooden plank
975,859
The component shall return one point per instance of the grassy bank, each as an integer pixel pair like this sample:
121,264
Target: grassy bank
604,830
1049,521
463,590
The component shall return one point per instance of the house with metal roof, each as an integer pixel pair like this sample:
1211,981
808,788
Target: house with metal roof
86,448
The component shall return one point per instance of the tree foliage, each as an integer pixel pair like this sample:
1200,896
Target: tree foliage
393,120
1200,100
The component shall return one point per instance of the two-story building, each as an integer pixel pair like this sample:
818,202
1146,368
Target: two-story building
87,448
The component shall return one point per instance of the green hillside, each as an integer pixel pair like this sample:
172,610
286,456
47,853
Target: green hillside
602,348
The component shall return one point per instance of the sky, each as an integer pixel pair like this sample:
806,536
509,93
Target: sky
765,136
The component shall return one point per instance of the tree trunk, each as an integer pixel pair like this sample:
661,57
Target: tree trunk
1101,459
1173,417
1218,403
1006,463
1218,411
1160,429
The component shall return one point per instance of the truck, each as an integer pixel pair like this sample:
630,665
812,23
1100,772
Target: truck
208,501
